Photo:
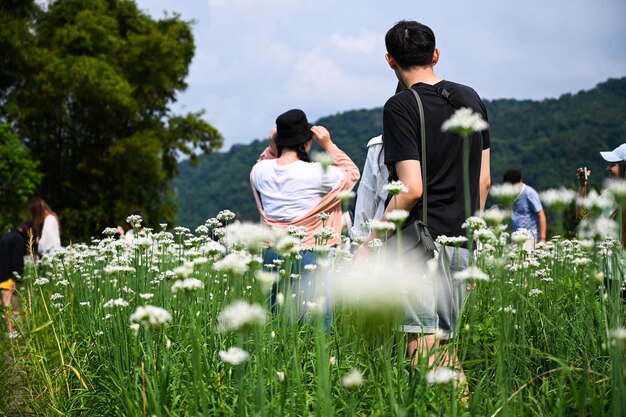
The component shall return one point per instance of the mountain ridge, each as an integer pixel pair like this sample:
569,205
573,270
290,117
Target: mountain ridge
547,139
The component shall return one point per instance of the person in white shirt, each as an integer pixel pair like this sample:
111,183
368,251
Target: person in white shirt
370,196
46,225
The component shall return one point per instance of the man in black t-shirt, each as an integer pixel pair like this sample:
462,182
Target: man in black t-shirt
412,54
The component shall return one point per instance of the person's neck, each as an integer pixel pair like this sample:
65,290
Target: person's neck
416,75
288,156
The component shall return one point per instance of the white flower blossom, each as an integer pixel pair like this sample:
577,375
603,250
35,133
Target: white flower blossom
323,158
234,355
474,223
299,232
56,296
380,226
353,379
236,263
534,292
617,188
494,216
397,216
395,188
451,240
117,302
619,333
471,273
505,193
558,198
189,284
464,122
346,195
151,315
521,235
41,281
441,375
252,236
280,375
240,314
225,216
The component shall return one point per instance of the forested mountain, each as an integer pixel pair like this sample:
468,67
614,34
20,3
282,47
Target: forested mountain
546,139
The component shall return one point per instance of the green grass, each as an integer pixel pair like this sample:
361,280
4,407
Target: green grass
542,353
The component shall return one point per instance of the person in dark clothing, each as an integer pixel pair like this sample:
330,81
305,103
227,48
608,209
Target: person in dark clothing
412,55
13,248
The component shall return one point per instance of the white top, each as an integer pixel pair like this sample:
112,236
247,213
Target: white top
50,235
370,196
291,191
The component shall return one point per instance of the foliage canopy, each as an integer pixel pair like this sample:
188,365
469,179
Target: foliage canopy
89,86
19,178
547,140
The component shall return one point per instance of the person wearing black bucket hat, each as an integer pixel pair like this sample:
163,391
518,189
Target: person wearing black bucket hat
292,191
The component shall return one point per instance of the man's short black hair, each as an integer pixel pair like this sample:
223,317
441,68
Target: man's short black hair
512,176
410,44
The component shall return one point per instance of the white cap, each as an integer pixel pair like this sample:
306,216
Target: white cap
616,155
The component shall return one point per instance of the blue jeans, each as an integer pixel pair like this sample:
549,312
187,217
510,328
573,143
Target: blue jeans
307,288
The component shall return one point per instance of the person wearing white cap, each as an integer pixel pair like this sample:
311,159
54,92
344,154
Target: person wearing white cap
615,170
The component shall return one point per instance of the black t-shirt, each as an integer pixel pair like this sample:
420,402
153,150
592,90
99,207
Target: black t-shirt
401,139
12,251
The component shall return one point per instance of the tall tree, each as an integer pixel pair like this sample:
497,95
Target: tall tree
95,109
19,178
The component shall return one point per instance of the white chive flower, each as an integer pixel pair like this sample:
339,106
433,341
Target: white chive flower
521,236
494,216
239,315
149,315
451,240
323,158
41,281
558,199
474,223
189,284
471,273
235,263
441,375
381,226
617,188
299,232
464,122
395,188
252,236
397,216
505,193
346,195
354,379
619,333
234,356
117,302
225,216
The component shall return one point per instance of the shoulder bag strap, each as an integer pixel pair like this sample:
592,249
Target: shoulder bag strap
420,109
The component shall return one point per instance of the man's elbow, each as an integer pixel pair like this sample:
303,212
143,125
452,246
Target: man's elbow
485,183
413,195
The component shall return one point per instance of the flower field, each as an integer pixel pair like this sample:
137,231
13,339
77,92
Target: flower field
187,324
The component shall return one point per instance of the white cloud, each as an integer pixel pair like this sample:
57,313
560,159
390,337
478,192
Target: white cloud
258,58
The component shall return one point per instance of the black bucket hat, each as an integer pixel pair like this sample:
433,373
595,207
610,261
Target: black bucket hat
292,128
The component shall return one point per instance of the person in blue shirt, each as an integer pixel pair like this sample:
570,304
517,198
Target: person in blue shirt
527,209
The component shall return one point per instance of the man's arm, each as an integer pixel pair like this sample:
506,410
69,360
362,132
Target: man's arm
541,219
485,177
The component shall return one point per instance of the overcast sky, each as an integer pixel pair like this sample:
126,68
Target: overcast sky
258,58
